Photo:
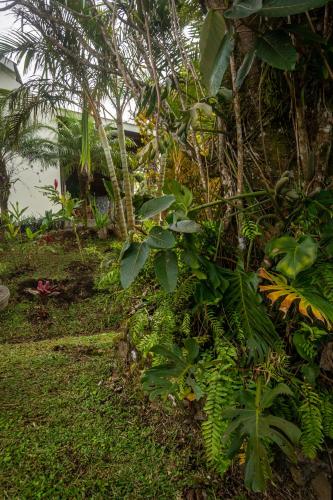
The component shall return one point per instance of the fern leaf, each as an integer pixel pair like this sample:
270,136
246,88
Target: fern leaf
311,423
220,394
327,414
213,428
241,298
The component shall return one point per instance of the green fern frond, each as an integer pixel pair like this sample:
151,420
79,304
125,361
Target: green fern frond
250,229
241,298
237,328
216,324
311,422
138,326
220,391
213,428
185,327
184,292
327,415
285,408
324,274
160,329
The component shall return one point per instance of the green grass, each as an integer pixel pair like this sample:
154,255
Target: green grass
73,422
20,321
69,430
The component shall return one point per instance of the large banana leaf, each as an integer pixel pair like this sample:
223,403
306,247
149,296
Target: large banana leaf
215,48
276,49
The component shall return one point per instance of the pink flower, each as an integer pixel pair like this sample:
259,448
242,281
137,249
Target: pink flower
55,184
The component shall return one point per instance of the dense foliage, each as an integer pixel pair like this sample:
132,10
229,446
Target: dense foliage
234,103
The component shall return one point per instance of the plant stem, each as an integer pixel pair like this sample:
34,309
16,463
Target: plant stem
78,241
221,201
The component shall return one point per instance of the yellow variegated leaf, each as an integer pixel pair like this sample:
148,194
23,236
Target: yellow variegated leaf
288,302
274,296
303,308
280,289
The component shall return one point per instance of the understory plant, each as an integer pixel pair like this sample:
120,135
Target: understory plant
227,270
68,211
248,345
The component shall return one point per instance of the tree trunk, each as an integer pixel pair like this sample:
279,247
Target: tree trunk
161,177
112,172
124,166
323,145
4,187
84,184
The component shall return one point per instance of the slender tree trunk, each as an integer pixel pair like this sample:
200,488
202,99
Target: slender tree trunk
4,187
112,172
161,177
84,184
124,165
302,141
240,147
323,145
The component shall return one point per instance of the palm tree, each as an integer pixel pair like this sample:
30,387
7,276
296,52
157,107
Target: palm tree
66,149
56,44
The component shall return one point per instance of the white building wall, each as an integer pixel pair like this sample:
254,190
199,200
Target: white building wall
29,177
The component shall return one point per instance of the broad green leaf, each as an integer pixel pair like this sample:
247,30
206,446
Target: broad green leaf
166,270
245,68
275,48
304,32
132,262
299,255
257,468
287,448
155,206
186,226
310,373
182,194
221,65
300,341
269,396
211,37
291,430
160,238
243,8
280,8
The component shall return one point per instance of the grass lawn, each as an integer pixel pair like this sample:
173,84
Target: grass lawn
69,430
71,426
